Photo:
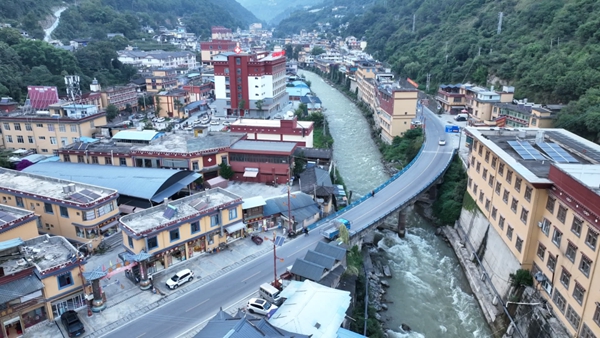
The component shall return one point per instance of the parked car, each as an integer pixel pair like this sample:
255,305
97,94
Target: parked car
226,123
72,324
214,122
261,307
183,276
256,239
442,142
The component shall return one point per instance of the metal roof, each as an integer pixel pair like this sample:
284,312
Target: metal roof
302,206
287,147
225,325
144,183
310,99
11,243
320,259
253,202
332,250
136,135
306,269
19,288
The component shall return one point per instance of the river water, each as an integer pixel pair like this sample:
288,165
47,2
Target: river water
429,290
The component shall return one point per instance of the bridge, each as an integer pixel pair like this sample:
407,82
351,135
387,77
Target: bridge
404,188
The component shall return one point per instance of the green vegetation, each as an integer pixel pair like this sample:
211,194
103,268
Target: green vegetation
374,329
111,112
225,171
321,136
521,277
27,14
403,148
469,203
450,198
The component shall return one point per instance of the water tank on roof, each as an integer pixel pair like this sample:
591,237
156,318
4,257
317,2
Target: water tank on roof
522,134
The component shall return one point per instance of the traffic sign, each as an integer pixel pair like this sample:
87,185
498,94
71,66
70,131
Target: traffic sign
452,129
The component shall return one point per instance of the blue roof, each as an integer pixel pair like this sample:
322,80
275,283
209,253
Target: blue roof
297,91
137,135
145,183
310,99
299,84
11,243
343,333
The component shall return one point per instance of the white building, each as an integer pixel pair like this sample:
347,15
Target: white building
158,58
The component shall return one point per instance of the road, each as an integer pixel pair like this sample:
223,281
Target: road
199,305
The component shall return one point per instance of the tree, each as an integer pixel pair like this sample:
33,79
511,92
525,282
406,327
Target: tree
111,112
299,163
157,106
178,105
259,106
241,106
225,171
318,50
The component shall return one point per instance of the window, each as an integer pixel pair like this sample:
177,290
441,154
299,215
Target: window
487,204
478,167
214,220
52,140
487,156
501,222
559,300
233,214
17,126
130,241
585,265
30,139
509,176
152,243
524,215
105,209
174,235
50,127
505,196
572,317
64,141
481,196
562,214
556,237
42,137
44,150
65,280
571,252
95,159
509,232
20,139
48,208
107,160
66,158
518,184
238,61
494,160
578,293
519,244
6,126
591,239
472,160
195,166
80,159
551,264
122,161
565,278
501,169
480,149
9,139
528,192
469,182
475,189
62,128
546,226
73,128
597,314
541,251
498,188
491,181
514,204
586,332
195,227
64,212
494,212
576,226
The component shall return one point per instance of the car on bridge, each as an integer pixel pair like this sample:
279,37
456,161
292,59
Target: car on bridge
334,230
442,142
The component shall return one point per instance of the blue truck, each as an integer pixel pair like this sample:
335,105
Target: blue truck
333,230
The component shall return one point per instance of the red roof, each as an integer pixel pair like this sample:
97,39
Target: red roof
40,97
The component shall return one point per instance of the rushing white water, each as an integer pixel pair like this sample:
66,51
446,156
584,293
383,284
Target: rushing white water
429,290
48,31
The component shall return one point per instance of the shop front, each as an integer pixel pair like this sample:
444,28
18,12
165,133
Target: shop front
197,246
175,255
235,231
18,317
109,227
254,224
74,302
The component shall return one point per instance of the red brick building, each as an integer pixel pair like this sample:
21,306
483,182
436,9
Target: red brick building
300,132
262,161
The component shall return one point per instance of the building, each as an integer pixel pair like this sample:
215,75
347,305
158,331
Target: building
17,223
158,59
208,49
253,213
324,265
450,98
479,101
262,161
249,82
292,130
7,104
200,92
538,188
45,131
171,103
316,182
40,280
304,210
122,97
365,77
79,212
522,114
220,33
161,79
178,230
396,108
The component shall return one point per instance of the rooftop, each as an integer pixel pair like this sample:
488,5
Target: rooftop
588,175
136,135
274,146
11,215
267,123
533,162
44,253
52,188
156,218
186,142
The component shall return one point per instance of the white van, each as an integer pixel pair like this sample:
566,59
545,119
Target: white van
270,293
461,117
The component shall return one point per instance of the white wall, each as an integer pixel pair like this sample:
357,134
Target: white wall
220,87
254,82
498,260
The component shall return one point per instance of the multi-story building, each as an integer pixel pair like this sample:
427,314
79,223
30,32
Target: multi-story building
45,131
176,231
160,80
451,99
158,58
40,280
79,212
300,132
479,101
242,80
170,103
120,96
208,49
201,91
17,223
397,107
220,33
522,114
365,81
538,188
262,161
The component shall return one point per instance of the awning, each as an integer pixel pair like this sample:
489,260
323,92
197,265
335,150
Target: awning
234,227
251,172
457,107
174,188
109,225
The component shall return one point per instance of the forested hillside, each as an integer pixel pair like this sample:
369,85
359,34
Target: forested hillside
549,50
270,10
95,18
26,14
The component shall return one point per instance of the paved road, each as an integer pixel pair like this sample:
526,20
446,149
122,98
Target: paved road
202,303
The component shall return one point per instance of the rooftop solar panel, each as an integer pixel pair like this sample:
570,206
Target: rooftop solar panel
581,148
169,212
90,194
6,217
557,153
526,150
80,198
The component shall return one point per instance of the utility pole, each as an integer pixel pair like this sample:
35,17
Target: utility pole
446,52
428,81
413,28
500,15
479,54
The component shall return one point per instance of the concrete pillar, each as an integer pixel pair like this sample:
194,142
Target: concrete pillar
432,192
98,303
144,281
402,223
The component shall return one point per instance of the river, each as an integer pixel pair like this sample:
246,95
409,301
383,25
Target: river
429,290
48,31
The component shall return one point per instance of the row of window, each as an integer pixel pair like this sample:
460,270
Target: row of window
28,127
53,140
591,238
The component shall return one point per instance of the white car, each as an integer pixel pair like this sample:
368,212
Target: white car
183,276
214,123
260,306
278,116
226,123
442,142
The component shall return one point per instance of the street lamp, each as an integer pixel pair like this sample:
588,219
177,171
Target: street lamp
277,241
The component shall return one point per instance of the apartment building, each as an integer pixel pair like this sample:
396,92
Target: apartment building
365,81
300,132
17,223
451,99
45,131
161,79
538,188
158,58
171,103
208,49
120,96
479,100
79,212
40,279
523,114
176,231
396,108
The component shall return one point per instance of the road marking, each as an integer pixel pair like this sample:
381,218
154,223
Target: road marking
195,306
141,335
245,279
